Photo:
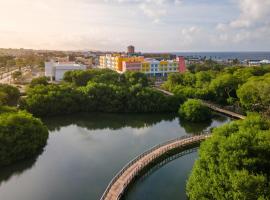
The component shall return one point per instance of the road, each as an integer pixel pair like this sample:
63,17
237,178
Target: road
6,77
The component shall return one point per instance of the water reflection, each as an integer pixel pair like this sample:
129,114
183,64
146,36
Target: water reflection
85,151
197,128
18,168
99,121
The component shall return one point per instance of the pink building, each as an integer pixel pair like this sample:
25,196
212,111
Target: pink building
131,66
182,64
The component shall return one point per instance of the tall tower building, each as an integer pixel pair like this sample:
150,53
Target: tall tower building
182,64
130,49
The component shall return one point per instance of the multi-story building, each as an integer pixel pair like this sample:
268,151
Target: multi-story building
182,64
157,68
149,66
115,61
56,70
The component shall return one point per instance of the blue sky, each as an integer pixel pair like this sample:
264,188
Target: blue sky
150,25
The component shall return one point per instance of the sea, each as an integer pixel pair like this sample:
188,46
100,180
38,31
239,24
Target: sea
227,55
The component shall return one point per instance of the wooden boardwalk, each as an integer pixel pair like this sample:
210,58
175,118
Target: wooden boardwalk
221,110
121,181
211,106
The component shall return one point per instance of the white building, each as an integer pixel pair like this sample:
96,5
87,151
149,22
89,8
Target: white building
265,61
254,63
56,70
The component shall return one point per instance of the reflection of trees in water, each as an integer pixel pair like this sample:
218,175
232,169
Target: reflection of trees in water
196,128
220,117
17,168
95,121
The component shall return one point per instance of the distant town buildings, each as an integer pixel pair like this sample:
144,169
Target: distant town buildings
150,66
193,60
130,49
56,70
89,62
265,62
253,63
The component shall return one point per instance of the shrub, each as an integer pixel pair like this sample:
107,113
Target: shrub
39,81
194,111
21,136
9,95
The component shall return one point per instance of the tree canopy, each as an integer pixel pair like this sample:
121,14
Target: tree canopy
21,136
193,110
243,88
9,95
39,81
254,95
234,163
98,91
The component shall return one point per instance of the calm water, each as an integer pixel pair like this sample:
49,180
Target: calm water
167,182
228,55
84,152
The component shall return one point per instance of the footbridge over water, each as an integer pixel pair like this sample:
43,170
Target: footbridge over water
124,178
211,106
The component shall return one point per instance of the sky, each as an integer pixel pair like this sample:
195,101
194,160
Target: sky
149,25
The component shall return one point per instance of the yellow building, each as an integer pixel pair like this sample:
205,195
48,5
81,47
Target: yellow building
102,61
121,59
115,61
152,67
145,67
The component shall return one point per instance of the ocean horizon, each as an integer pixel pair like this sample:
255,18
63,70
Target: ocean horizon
248,55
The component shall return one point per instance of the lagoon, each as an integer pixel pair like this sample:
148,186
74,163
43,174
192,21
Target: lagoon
85,151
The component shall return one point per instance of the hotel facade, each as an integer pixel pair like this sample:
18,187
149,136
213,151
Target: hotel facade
149,66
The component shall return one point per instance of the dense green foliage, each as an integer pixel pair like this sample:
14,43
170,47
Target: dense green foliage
45,100
105,76
105,91
81,78
7,109
21,136
255,94
208,64
39,81
234,163
9,95
247,87
193,110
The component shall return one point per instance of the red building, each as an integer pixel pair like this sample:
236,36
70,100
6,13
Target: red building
182,64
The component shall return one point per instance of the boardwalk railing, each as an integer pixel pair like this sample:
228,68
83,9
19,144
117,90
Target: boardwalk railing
186,140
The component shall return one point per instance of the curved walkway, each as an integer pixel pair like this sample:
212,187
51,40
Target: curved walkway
122,180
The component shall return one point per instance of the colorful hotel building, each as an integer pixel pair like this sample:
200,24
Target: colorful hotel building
149,66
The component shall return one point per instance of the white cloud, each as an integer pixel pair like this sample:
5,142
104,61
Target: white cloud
253,12
114,24
251,27
153,11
